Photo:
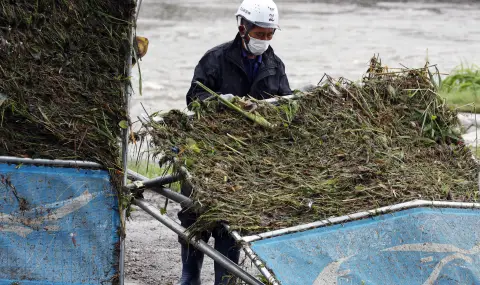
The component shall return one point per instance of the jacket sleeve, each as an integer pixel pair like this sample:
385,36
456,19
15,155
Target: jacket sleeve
206,72
284,86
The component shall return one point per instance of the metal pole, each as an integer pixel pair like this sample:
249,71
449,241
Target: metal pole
258,263
361,215
187,202
184,201
199,244
55,162
156,182
166,192
134,176
125,133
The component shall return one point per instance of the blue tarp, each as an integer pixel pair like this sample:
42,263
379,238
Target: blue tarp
57,226
421,246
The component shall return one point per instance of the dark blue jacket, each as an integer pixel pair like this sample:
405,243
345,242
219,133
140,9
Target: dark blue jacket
222,70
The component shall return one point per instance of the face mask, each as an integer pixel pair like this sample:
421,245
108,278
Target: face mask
257,47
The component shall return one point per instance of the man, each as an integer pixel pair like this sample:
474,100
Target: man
245,66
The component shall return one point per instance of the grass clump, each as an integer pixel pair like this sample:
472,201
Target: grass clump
461,89
62,70
340,149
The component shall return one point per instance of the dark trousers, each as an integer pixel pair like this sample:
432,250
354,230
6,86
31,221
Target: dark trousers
192,259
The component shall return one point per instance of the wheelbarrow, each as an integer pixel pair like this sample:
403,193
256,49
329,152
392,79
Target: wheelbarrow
418,242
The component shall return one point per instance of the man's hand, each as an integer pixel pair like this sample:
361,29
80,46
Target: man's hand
228,97
246,105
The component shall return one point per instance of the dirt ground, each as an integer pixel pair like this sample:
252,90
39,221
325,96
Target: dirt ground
152,251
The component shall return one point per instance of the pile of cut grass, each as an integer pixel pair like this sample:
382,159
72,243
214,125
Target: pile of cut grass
340,149
63,72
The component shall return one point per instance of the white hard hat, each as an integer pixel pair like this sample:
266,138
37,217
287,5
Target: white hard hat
262,13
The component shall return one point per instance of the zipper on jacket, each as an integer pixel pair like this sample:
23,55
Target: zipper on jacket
238,65
263,73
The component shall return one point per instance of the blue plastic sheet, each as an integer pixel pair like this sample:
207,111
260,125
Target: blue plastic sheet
57,226
418,246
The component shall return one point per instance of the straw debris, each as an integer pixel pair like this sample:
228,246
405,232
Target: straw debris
342,148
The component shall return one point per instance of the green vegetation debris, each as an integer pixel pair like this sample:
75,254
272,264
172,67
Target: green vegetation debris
342,148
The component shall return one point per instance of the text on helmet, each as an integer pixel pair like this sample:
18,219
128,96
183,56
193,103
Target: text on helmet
245,10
